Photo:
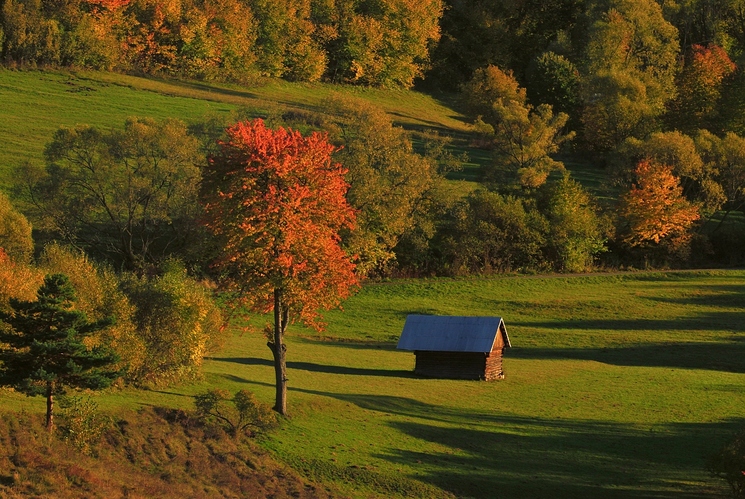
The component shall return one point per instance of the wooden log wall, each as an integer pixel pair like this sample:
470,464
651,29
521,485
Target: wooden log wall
459,365
493,368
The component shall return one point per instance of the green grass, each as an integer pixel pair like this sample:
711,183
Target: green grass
36,103
616,386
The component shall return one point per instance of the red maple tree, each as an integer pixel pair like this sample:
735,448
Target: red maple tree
276,202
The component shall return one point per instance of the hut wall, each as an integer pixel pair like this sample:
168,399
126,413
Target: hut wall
494,365
452,365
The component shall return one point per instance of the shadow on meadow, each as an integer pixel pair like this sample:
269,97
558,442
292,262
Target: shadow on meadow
722,356
319,368
484,454
493,455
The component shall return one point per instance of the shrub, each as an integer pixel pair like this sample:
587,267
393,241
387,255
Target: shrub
729,464
82,426
177,322
242,412
17,280
15,232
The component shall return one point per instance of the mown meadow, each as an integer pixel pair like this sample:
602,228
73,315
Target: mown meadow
617,385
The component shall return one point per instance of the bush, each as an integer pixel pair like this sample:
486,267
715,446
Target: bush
15,232
83,426
488,233
177,321
729,464
242,412
17,280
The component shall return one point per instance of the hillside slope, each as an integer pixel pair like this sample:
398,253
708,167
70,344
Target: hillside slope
153,453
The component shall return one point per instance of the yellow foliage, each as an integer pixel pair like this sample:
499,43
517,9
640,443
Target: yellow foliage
98,295
17,280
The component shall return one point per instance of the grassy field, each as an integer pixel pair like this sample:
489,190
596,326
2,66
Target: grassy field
616,386
36,103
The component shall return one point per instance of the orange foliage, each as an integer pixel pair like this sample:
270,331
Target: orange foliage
277,202
700,83
654,207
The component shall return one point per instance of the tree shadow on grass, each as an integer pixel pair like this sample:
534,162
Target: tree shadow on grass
715,321
482,454
722,356
319,368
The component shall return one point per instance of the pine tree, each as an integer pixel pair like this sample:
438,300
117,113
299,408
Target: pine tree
45,350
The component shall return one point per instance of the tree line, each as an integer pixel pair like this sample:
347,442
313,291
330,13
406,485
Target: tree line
369,42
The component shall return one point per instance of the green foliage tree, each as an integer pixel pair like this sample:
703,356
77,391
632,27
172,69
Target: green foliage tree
237,414
286,41
129,195
477,34
575,230
46,350
29,37
726,157
629,71
488,232
217,40
379,42
553,79
523,137
730,112
387,181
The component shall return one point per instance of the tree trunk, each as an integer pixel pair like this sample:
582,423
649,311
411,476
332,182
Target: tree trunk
50,406
278,347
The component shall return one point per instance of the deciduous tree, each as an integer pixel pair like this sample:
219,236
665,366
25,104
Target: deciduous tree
46,350
699,179
15,232
629,73
575,229
388,181
699,87
129,195
277,202
726,157
488,232
654,209
523,136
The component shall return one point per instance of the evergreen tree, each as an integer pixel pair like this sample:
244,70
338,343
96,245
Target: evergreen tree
45,351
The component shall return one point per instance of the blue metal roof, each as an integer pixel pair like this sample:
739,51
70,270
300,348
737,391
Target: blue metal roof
439,333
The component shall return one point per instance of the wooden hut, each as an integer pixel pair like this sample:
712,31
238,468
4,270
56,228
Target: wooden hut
456,347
